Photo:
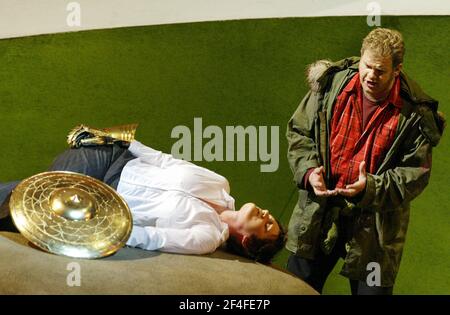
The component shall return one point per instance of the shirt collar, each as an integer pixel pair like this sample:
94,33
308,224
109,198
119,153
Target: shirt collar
394,96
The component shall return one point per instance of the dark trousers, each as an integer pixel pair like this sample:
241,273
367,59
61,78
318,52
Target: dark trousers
316,271
104,163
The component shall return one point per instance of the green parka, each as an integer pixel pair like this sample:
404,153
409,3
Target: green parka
381,215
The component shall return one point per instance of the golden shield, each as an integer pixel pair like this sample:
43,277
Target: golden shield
71,214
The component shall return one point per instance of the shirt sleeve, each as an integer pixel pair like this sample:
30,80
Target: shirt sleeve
199,239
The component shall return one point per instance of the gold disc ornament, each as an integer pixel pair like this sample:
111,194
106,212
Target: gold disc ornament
71,214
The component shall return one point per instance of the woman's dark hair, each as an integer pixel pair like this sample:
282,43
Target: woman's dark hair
260,250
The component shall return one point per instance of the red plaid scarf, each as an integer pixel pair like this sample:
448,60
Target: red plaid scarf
350,144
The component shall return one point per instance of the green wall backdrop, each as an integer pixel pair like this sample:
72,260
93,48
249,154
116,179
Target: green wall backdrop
247,72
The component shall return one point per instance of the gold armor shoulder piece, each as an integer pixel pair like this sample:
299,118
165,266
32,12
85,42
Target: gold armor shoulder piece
83,135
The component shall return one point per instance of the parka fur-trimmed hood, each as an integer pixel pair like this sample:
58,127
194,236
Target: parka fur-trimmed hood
315,71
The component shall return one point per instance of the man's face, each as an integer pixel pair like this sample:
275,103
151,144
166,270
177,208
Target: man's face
377,75
253,220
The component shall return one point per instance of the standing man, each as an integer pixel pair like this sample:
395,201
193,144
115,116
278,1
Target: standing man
360,146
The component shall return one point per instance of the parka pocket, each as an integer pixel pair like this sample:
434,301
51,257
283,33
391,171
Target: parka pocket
298,217
390,227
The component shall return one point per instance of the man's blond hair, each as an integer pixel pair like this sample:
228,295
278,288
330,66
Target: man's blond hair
385,42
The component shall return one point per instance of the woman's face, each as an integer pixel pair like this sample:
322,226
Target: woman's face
253,220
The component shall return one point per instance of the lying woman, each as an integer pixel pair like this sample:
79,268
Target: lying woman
176,206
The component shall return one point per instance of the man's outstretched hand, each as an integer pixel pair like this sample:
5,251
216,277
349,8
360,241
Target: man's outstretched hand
358,186
318,183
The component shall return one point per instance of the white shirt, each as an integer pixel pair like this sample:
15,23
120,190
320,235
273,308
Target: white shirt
167,197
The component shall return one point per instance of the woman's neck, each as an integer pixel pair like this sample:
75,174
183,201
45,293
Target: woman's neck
229,217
